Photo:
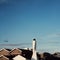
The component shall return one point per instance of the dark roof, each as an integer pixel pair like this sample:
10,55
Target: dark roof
26,53
8,49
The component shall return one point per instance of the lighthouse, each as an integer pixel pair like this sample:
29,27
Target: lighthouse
34,45
34,55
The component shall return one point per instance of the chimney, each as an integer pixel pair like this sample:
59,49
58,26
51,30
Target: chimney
34,45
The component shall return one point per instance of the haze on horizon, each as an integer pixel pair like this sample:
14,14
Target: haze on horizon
23,20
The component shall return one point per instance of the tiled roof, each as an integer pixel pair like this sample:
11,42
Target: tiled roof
25,53
15,51
3,58
4,52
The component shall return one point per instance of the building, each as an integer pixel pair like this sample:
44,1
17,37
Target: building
3,58
19,57
15,52
4,52
57,54
26,53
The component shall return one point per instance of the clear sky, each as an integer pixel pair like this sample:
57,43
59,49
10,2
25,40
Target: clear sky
23,20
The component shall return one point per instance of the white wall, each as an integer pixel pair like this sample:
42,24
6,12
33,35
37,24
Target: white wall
19,58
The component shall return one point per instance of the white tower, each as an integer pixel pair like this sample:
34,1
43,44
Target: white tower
34,55
34,45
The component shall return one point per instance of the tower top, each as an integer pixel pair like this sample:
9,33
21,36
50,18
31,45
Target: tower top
34,39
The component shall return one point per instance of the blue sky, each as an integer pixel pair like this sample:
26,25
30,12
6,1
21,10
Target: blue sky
23,20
